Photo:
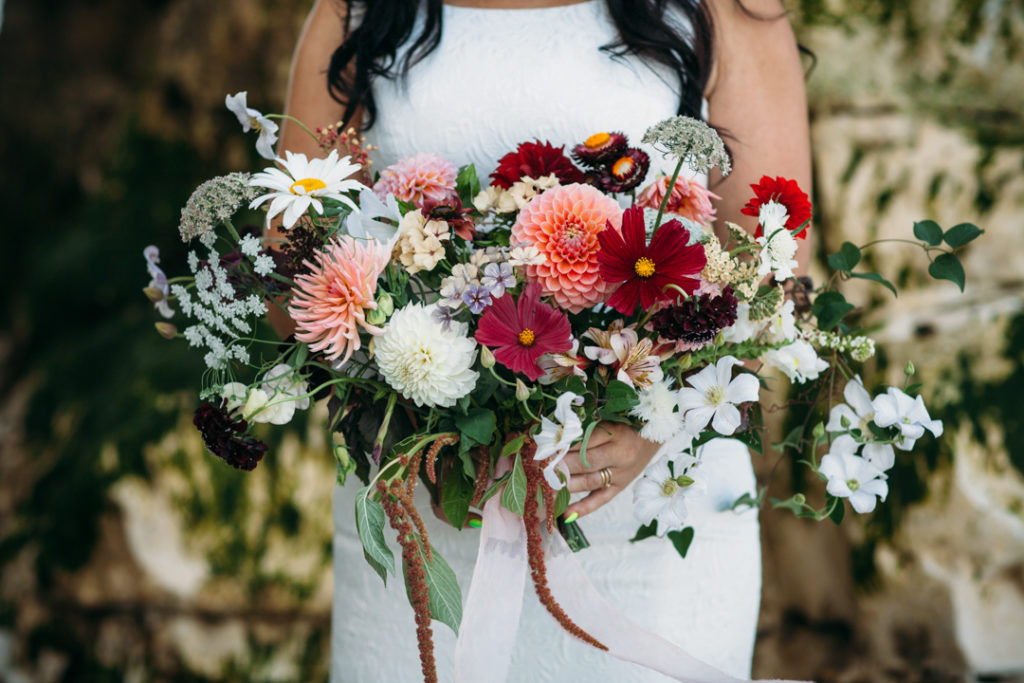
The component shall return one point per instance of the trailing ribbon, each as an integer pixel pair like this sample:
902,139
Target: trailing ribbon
490,621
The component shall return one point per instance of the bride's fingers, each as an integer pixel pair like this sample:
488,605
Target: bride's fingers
588,481
593,501
597,457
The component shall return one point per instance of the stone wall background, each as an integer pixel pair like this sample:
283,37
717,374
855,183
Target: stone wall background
127,554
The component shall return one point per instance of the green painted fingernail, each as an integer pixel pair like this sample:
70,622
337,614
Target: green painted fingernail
572,518
475,523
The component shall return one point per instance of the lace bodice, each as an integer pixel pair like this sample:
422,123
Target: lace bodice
505,76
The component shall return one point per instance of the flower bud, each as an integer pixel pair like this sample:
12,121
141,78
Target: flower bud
845,422
375,316
819,430
385,304
685,361
684,480
522,391
486,357
154,294
799,499
341,454
909,369
166,330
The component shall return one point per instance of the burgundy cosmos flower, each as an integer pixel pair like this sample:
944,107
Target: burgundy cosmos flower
646,270
535,159
521,334
786,192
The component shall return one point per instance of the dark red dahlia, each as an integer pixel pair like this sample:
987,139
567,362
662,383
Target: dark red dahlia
786,192
536,160
226,437
450,210
646,270
697,320
600,149
626,172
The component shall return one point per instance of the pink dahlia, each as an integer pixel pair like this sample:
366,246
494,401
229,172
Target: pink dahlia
417,178
563,224
688,198
330,302
522,333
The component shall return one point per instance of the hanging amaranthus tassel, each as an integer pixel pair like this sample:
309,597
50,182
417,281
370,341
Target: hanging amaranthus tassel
535,544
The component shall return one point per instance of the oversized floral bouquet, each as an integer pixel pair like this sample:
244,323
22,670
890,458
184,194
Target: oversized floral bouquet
470,336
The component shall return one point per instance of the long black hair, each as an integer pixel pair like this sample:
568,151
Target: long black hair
644,29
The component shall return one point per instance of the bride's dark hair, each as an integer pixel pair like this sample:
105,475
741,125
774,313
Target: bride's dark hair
644,27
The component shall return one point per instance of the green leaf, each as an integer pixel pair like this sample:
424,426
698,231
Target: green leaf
370,520
752,438
494,488
830,308
928,231
961,234
792,439
467,184
797,505
875,277
837,512
846,258
513,446
620,397
477,424
443,588
681,540
514,496
948,267
455,496
646,531
586,440
750,501
562,499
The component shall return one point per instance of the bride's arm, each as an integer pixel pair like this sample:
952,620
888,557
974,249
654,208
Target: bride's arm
309,100
757,95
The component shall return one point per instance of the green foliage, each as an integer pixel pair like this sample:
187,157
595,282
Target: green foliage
455,498
443,587
514,496
681,540
928,231
948,267
829,308
370,519
477,424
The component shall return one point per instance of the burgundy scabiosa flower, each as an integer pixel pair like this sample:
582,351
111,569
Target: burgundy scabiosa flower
696,321
600,149
626,172
781,191
645,270
225,437
535,160
521,332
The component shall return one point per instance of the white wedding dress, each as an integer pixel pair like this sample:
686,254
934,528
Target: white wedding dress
500,77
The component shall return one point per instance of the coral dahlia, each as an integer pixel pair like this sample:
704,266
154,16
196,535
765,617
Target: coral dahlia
521,332
330,302
535,160
418,178
646,270
688,198
563,224
785,192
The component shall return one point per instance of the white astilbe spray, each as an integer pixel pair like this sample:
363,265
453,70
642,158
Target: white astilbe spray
657,409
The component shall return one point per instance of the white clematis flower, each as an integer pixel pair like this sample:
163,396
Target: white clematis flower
851,476
303,183
366,223
798,360
660,496
909,415
714,397
556,437
858,413
251,119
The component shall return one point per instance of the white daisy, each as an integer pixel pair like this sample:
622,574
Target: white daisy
305,184
660,496
714,397
251,119
424,360
556,437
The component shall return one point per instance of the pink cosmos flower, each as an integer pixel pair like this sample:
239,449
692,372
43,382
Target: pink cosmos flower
563,223
330,302
689,199
521,333
418,178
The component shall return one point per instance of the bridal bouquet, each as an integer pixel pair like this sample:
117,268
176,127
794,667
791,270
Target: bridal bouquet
468,336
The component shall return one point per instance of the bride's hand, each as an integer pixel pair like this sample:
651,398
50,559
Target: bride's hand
613,447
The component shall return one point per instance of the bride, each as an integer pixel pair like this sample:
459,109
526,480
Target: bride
469,79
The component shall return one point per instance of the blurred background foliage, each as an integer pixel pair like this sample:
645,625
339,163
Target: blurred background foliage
126,552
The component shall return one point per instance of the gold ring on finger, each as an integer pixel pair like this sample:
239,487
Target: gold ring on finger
606,478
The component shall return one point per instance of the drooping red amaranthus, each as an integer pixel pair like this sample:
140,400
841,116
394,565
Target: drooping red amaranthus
535,545
397,509
435,448
483,469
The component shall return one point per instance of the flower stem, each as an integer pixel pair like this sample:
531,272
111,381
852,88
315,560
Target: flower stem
294,120
668,193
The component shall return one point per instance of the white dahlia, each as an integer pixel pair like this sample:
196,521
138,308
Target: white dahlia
423,360
303,183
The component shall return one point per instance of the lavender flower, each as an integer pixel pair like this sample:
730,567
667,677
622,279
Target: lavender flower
157,282
498,277
477,297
